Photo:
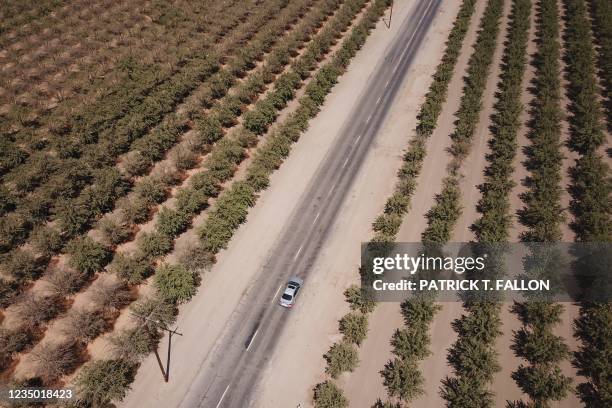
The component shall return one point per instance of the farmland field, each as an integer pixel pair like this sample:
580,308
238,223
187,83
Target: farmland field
167,166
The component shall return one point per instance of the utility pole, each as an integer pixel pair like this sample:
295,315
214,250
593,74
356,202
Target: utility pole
388,24
161,325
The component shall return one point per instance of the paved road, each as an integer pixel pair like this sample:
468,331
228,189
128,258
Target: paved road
233,368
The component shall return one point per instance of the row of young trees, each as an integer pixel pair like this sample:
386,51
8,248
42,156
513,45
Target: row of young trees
541,378
220,165
473,356
401,375
151,190
601,15
590,177
442,218
239,197
591,188
387,224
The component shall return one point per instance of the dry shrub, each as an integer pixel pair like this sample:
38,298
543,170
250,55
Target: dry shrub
168,174
110,295
135,210
136,164
183,157
12,341
133,344
154,313
65,281
84,325
56,360
114,232
33,310
197,259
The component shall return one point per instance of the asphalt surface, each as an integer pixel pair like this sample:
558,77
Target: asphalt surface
229,376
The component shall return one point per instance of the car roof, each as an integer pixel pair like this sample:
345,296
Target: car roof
296,280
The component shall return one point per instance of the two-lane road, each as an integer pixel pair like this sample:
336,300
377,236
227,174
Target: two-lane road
232,370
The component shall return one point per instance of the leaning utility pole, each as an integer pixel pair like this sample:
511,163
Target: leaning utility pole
388,24
161,325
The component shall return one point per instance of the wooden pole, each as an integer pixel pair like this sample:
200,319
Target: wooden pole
166,372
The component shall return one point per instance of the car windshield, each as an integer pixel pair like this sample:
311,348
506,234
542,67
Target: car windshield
286,296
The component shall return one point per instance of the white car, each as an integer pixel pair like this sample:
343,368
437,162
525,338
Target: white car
287,299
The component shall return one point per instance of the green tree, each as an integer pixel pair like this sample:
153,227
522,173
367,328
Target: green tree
133,344
464,391
354,326
191,200
174,283
542,383
130,268
172,222
387,224
46,240
103,381
328,395
87,255
153,245
341,357
22,265
411,344
403,379
358,299
151,189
